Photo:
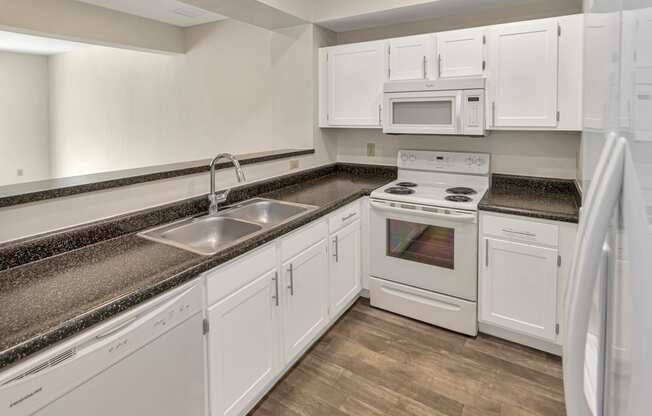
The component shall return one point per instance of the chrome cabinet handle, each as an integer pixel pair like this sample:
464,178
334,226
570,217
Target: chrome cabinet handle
525,233
275,279
439,64
336,243
380,117
351,215
291,287
486,252
493,113
425,71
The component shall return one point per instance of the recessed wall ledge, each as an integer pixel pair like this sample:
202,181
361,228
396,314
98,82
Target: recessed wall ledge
28,192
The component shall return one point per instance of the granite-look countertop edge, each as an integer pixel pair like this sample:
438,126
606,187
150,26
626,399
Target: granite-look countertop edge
543,198
194,266
29,192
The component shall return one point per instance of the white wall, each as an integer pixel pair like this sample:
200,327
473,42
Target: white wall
24,131
238,89
299,69
548,154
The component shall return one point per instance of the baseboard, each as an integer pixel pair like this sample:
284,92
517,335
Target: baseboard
364,293
526,340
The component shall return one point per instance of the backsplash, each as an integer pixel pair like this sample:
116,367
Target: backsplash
530,153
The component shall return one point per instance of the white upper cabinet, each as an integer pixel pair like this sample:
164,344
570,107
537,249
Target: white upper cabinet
354,83
523,65
411,57
461,53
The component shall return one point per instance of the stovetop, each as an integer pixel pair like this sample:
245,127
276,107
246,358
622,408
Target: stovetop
442,179
434,194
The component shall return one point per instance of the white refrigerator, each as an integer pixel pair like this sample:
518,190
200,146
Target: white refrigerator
608,302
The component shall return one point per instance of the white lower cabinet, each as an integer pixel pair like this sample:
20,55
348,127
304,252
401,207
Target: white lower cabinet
267,307
523,269
345,264
519,287
243,339
305,313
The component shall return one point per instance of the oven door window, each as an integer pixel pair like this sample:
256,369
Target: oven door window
423,113
422,243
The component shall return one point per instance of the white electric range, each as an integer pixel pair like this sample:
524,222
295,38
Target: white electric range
424,238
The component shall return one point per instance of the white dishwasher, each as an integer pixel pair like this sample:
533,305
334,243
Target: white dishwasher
148,361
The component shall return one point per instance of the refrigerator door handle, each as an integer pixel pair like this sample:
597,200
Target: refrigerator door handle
586,264
588,203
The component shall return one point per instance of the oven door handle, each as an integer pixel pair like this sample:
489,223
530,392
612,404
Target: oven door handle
454,216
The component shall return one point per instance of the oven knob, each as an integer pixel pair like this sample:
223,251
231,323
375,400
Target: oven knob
404,157
413,158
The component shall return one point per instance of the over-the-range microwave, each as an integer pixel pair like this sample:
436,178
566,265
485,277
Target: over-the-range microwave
447,106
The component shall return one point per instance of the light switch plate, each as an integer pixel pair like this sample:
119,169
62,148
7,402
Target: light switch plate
371,149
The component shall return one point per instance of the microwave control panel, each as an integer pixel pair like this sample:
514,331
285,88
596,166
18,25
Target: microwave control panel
473,102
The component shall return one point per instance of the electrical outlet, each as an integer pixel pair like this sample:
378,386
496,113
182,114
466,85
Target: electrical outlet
294,164
371,149
19,172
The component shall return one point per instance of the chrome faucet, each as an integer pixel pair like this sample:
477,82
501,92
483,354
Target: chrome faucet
216,198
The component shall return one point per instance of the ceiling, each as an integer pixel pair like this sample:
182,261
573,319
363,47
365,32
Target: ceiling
432,9
167,11
36,45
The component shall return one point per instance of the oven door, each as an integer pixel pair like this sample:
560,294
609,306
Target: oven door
430,112
425,247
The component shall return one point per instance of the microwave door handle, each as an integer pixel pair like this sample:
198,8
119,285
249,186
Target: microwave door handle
455,217
458,109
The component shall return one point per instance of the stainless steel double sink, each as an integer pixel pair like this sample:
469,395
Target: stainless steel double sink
209,234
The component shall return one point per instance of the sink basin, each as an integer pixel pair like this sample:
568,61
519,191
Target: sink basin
205,235
266,212
210,234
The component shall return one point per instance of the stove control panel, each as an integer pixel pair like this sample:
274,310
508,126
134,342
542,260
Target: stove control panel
451,162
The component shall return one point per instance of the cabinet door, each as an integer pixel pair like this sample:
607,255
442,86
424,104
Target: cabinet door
523,74
344,279
243,345
305,312
518,286
355,84
410,57
461,53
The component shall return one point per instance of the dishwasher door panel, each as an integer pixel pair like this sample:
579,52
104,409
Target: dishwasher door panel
164,378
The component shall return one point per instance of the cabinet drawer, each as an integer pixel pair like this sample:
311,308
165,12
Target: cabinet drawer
303,238
225,280
343,216
520,230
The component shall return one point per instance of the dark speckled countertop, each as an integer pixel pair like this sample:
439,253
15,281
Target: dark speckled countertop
45,301
545,198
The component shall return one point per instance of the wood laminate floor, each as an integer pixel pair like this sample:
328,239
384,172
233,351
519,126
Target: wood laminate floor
374,363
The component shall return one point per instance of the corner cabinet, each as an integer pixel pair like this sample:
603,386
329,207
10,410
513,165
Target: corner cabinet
523,267
351,84
267,307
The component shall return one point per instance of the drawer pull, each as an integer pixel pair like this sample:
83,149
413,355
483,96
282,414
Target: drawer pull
523,233
351,215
